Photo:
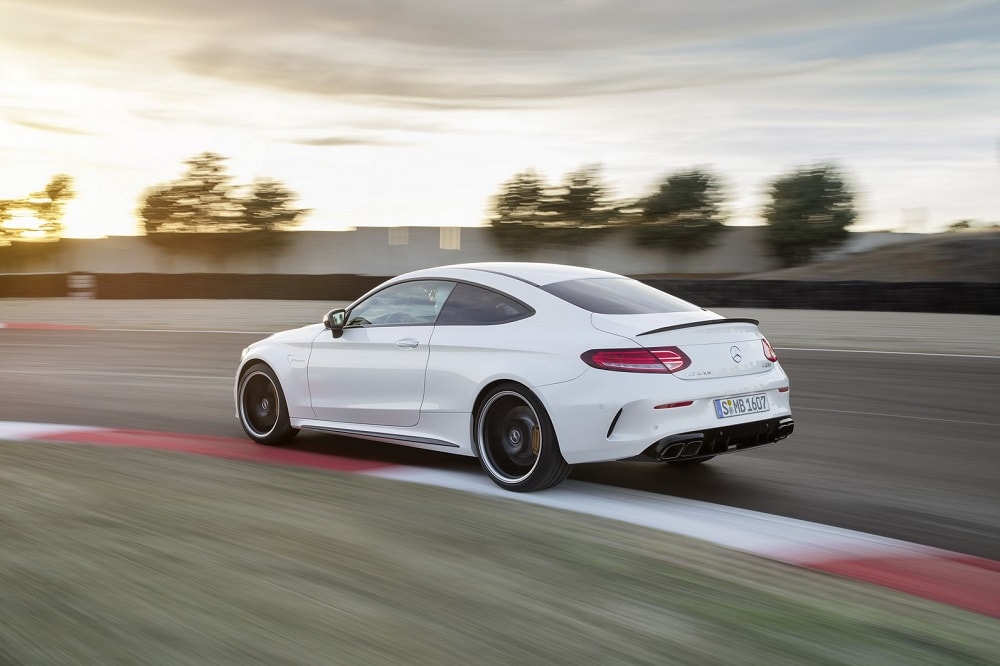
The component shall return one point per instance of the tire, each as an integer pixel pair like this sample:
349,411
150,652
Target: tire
261,406
696,461
515,441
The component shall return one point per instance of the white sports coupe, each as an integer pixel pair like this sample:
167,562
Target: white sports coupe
529,367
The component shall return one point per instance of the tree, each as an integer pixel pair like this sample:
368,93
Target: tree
37,217
528,213
49,205
809,211
517,211
200,201
268,207
684,214
579,210
204,201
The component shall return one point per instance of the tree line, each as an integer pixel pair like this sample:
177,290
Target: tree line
809,210
228,216
204,201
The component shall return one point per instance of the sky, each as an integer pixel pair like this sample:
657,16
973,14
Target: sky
407,113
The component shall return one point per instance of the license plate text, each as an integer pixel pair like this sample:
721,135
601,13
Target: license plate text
745,404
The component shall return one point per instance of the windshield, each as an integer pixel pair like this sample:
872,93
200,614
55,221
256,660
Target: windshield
617,296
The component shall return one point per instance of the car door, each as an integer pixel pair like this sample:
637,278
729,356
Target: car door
374,373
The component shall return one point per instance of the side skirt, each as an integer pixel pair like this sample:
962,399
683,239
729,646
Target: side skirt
405,440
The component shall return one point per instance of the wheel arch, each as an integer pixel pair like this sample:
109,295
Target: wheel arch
249,361
485,389
493,383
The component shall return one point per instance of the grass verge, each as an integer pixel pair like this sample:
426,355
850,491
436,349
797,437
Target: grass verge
124,556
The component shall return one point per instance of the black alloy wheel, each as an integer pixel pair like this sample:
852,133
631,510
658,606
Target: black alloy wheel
261,405
515,440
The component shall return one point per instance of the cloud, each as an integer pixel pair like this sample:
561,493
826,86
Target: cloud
433,79
326,141
510,26
46,127
455,54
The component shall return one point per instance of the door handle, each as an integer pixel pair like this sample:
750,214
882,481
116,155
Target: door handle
408,343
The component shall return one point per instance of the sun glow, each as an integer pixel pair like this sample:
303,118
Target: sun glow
376,125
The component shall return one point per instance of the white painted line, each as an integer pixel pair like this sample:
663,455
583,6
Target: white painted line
29,327
35,345
887,353
102,373
182,330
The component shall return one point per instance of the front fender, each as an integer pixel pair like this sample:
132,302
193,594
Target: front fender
287,353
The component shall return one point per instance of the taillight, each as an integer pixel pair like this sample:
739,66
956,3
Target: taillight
656,360
768,350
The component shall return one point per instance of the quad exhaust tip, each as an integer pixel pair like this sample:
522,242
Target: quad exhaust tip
717,441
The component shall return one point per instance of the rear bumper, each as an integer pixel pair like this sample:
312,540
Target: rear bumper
712,442
604,416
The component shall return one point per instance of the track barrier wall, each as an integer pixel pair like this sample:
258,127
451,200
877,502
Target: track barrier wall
940,297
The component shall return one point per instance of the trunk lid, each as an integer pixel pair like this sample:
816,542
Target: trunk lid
717,347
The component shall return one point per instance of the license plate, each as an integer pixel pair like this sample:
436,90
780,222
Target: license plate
744,404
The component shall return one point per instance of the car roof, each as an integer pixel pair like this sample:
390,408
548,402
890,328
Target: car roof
535,273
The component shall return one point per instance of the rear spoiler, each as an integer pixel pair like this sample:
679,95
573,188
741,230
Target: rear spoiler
709,322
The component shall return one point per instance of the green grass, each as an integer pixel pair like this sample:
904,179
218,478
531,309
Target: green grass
124,556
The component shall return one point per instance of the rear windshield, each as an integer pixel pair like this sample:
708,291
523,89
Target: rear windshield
617,296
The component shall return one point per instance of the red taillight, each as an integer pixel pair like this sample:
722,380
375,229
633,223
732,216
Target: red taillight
768,350
657,359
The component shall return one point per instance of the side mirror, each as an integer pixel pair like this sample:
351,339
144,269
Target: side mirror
334,320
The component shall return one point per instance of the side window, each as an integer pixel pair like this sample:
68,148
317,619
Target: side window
406,303
475,305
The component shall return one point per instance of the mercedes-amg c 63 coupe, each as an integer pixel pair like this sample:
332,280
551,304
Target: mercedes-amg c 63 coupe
531,368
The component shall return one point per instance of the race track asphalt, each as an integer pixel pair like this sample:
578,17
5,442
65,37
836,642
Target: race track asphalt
896,426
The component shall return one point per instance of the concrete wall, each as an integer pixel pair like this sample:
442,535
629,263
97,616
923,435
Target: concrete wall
389,251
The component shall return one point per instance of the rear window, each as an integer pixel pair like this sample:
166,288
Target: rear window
617,296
